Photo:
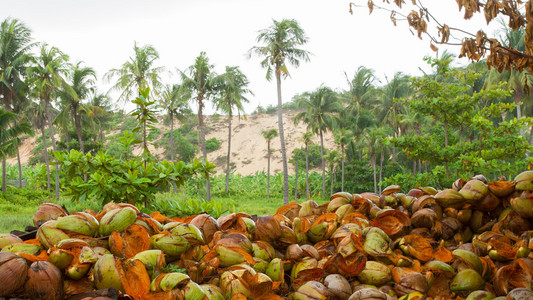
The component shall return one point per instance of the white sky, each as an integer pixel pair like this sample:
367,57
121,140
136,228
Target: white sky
102,32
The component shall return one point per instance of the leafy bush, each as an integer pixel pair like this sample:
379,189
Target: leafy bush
183,148
212,144
176,205
315,158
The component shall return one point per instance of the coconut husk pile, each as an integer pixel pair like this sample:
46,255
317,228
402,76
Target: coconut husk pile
471,241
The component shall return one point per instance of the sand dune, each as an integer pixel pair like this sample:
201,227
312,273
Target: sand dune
248,147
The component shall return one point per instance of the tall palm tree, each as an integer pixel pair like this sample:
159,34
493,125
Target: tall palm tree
306,139
137,73
232,90
333,157
199,79
175,102
10,131
343,137
281,42
15,46
373,139
81,85
47,76
319,109
389,110
102,114
361,90
36,113
269,135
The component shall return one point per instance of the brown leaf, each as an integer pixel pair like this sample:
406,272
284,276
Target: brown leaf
370,6
433,47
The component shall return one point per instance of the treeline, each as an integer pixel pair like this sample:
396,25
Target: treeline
453,122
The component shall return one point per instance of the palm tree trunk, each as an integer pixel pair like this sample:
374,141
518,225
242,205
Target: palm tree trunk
306,171
46,160
268,170
201,126
282,140
414,166
171,137
4,176
77,122
296,181
19,167
446,145
380,170
52,138
323,164
331,179
229,152
342,176
373,157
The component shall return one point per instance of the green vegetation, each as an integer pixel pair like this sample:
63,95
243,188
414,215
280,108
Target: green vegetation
411,131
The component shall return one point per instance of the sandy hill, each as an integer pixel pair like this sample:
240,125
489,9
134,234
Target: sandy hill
248,147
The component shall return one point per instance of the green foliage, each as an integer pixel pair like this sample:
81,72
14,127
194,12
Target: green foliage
468,135
177,205
435,178
183,147
123,180
212,144
315,158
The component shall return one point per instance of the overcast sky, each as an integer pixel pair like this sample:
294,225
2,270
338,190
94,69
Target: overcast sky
102,33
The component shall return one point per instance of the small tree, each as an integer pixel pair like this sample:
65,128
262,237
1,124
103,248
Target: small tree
10,132
269,135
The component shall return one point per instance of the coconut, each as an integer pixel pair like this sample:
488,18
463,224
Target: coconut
44,282
13,272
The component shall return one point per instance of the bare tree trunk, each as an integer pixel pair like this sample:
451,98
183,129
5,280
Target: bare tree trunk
306,171
268,170
342,176
46,160
19,167
331,179
201,126
52,138
380,170
296,181
77,122
229,153
4,176
282,140
171,137
373,157
323,164
414,166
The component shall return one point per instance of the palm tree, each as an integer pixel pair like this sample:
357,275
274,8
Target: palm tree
47,75
175,102
320,107
389,109
200,81
81,85
102,109
269,135
343,137
232,88
333,158
15,46
10,131
306,139
36,113
373,139
137,73
280,45
361,90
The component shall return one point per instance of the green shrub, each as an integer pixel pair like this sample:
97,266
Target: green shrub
177,205
212,144
315,158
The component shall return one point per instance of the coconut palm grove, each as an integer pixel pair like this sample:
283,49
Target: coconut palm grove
408,187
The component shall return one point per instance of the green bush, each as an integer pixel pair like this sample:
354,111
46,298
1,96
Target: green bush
177,205
315,158
212,144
